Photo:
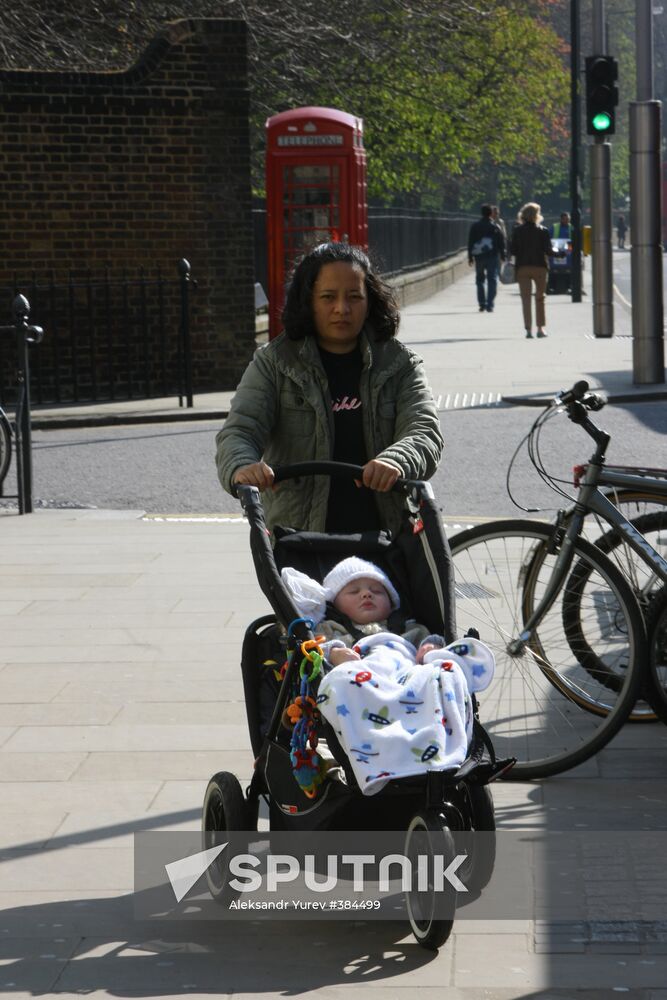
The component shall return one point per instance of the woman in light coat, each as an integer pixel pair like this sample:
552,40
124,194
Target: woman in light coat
336,384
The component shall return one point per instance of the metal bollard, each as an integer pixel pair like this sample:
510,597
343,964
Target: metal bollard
25,335
186,344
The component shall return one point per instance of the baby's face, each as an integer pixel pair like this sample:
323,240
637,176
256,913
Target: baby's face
364,600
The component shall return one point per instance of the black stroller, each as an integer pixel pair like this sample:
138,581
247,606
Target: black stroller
433,805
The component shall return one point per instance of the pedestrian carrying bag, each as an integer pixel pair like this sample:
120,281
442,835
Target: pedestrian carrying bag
508,273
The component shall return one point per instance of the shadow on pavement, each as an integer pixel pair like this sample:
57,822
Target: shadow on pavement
650,413
87,945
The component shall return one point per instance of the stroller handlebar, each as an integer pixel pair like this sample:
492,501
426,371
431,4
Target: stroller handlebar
342,470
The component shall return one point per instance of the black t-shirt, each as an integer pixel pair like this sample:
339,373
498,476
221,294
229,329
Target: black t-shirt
350,509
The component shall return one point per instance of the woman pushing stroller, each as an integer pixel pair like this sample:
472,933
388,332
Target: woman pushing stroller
337,384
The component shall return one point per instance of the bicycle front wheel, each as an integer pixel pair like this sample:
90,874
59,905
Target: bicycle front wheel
5,446
544,707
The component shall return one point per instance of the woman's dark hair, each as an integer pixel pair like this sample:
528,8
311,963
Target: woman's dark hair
297,316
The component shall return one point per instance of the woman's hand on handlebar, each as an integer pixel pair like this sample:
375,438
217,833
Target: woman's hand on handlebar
377,475
258,474
380,476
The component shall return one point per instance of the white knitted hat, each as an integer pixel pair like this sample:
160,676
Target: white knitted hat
355,569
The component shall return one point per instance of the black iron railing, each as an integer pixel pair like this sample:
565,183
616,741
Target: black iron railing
111,337
404,239
400,239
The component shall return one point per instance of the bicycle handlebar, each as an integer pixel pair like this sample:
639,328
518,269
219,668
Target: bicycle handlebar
576,402
579,394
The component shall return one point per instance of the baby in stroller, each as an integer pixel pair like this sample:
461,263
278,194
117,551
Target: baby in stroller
409,709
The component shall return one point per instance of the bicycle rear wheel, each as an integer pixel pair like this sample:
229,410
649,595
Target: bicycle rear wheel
5,446
649,515
645,582
544,707
657,642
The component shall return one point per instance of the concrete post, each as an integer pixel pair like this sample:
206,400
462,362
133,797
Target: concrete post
603,285
648,359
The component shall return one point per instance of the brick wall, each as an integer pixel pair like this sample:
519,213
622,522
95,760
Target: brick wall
138,168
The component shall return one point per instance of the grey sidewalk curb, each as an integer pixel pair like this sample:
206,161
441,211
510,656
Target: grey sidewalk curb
612,398
73,421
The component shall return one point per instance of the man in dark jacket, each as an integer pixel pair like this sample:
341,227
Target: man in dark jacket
486,244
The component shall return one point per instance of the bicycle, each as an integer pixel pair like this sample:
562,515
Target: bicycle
643,499
568,622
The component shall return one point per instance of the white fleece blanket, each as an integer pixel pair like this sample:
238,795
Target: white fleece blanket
396,718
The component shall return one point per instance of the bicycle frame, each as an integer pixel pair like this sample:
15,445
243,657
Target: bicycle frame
597,502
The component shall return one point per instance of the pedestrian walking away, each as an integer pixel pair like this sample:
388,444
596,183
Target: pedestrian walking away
530,247
336,384
486,244
495,217
621,230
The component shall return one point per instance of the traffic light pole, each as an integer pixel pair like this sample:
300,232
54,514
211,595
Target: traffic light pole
600,160
648,358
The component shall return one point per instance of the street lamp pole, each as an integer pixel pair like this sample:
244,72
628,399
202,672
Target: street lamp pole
575,127
648,357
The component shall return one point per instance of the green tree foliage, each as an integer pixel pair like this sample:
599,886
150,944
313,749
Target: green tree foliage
619,18
452,92
480,102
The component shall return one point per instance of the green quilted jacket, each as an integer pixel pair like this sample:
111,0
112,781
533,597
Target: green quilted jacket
281,412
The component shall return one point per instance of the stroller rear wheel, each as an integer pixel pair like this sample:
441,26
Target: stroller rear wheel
224,810
480,820
430,910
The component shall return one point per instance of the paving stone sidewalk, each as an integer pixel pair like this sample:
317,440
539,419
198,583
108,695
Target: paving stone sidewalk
120,695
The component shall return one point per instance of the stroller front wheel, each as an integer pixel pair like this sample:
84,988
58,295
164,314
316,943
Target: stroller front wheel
430,908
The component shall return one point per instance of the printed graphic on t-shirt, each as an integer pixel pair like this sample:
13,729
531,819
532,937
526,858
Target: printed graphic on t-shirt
350,509
346,403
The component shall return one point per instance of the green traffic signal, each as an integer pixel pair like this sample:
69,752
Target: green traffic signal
601,122
601,94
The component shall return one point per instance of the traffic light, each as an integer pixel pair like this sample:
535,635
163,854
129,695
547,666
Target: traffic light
601,95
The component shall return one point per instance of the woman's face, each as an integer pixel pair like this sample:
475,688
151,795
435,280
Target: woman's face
340,306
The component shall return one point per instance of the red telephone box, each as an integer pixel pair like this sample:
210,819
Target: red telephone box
315,190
